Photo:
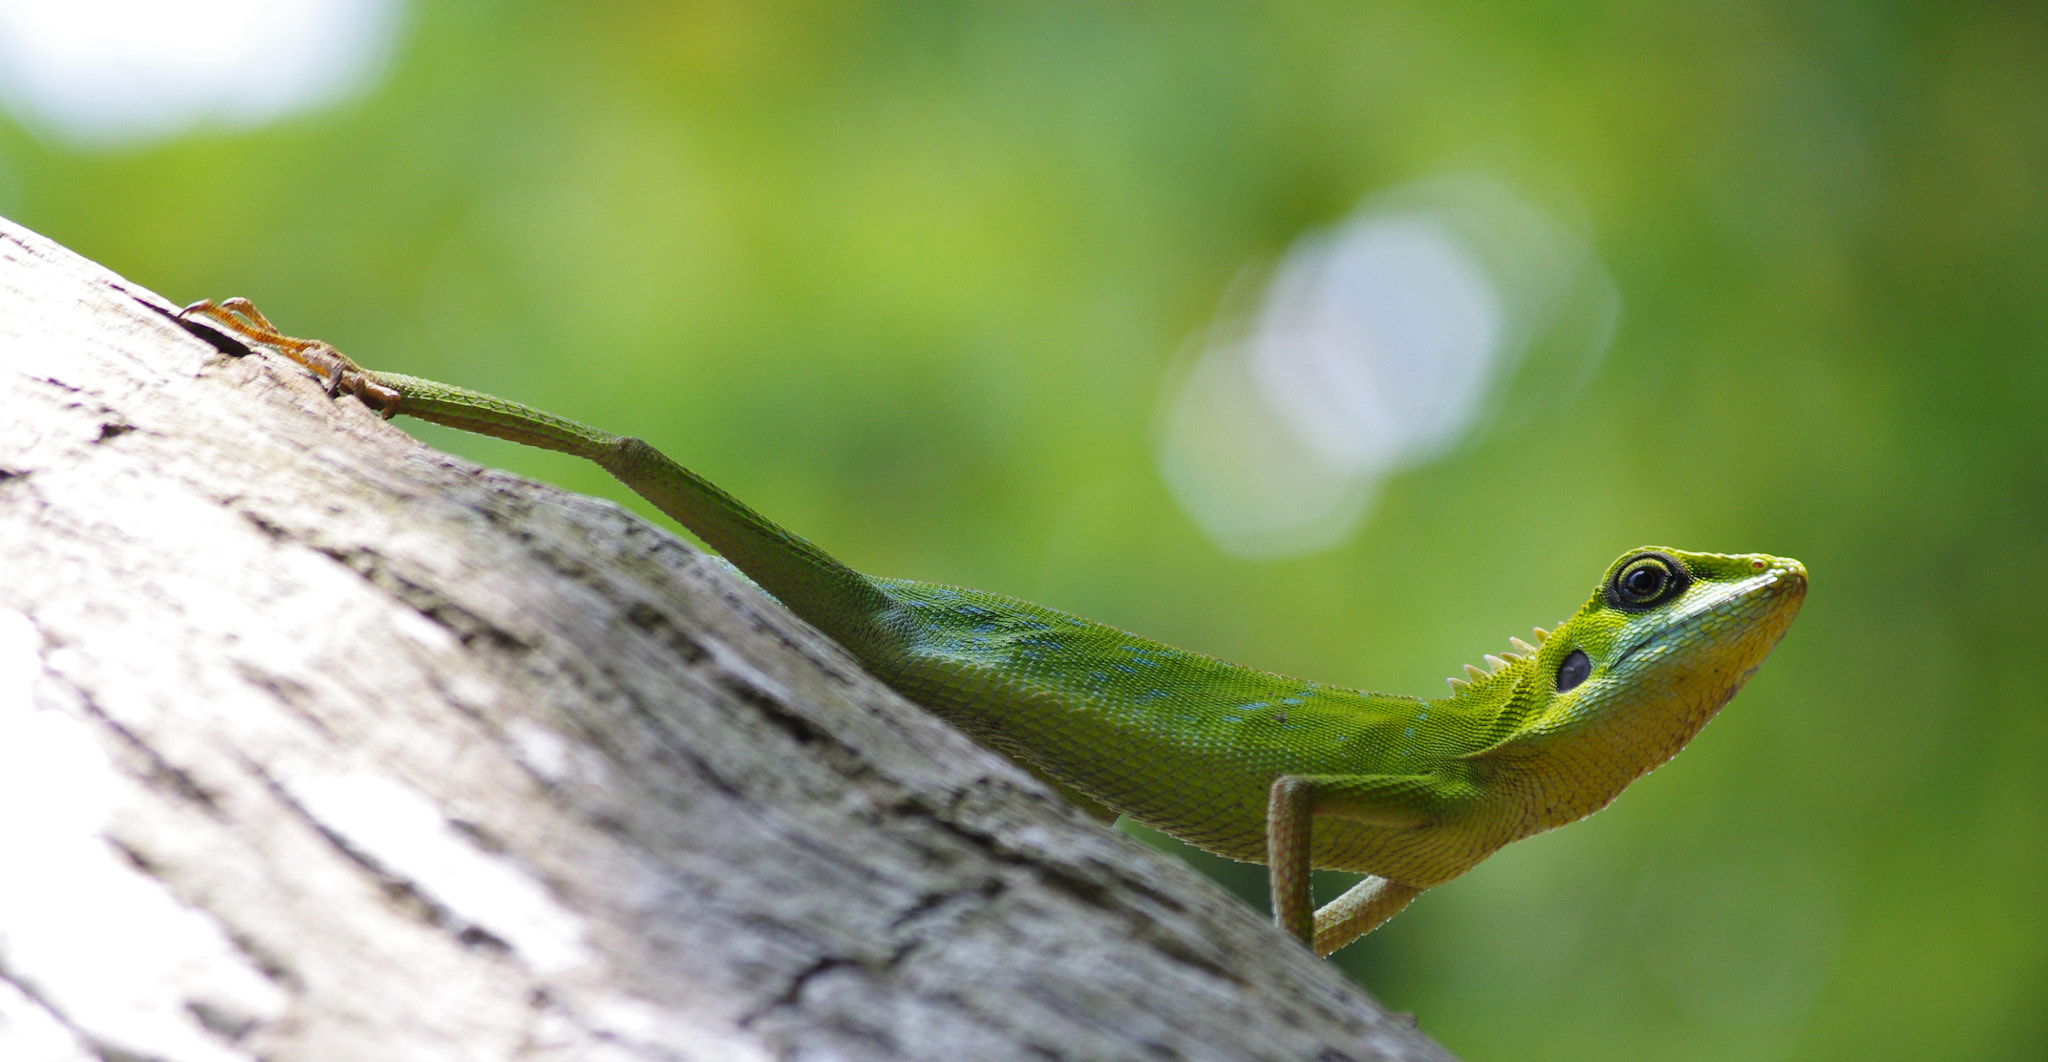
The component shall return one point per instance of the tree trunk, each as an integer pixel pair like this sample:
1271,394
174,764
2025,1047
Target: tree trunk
316,743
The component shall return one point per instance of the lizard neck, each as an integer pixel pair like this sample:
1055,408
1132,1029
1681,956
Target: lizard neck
1575,771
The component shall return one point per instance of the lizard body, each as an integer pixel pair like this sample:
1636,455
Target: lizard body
1251,765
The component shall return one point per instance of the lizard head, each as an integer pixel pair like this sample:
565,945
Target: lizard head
1663,643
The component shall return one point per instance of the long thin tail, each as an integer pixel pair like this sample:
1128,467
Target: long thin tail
843,603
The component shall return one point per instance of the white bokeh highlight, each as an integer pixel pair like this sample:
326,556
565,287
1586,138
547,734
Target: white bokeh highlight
124,73
1373,347
1378,342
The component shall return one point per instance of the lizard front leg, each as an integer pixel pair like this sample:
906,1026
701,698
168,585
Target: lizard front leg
1359,911
1396,801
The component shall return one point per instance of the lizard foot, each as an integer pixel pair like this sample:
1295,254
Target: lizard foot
336,371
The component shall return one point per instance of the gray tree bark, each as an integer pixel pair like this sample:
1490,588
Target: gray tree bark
316,743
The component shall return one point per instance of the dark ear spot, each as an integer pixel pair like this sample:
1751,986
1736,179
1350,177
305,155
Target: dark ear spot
1577,666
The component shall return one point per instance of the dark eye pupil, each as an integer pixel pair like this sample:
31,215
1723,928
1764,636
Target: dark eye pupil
1645,581
1573,670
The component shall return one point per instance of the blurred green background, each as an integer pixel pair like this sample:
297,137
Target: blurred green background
909,278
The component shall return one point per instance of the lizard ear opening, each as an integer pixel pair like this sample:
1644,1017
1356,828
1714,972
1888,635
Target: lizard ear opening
1577,666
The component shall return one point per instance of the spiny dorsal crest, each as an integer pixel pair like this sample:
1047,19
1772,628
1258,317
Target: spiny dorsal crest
1477,677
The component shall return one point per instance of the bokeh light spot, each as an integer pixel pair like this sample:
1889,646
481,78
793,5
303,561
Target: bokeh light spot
122,73
1372,348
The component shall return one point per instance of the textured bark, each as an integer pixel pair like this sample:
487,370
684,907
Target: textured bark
316,743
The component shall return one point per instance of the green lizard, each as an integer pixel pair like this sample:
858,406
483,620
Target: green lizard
1247,764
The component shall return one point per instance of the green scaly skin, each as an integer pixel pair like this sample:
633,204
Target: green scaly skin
1237,761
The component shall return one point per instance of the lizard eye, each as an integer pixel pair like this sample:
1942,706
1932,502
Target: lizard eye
1646,580
1574,670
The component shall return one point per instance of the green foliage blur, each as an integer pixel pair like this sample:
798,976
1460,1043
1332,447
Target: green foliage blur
908,277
